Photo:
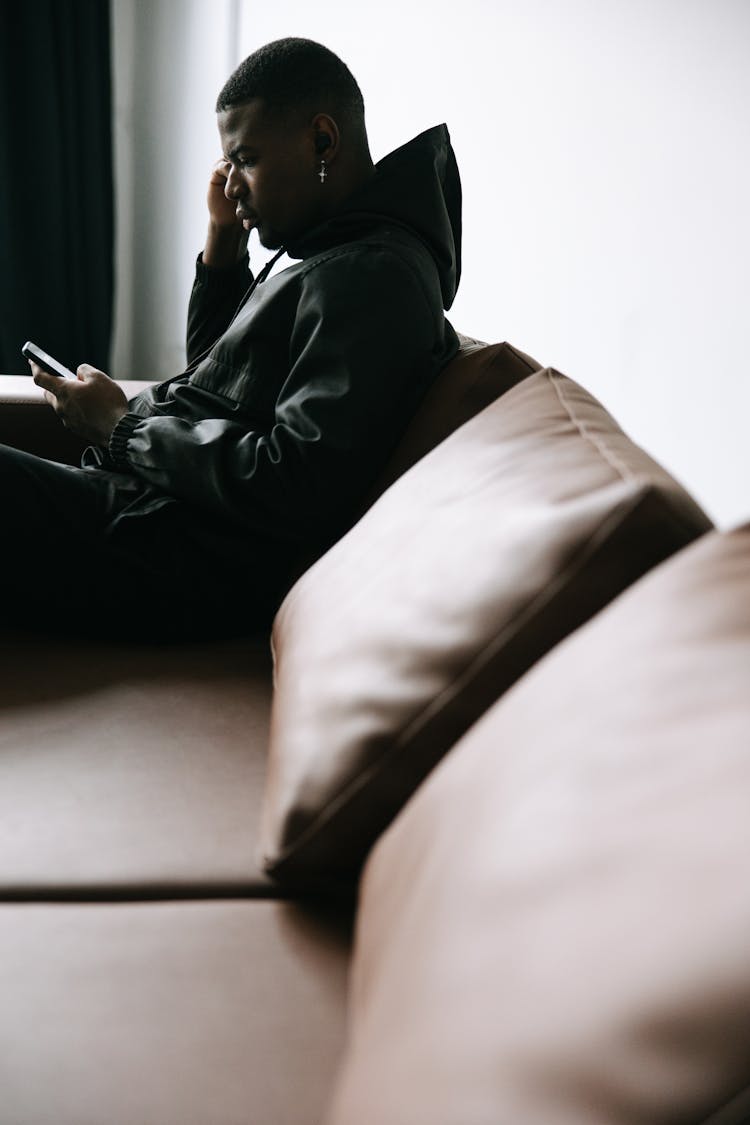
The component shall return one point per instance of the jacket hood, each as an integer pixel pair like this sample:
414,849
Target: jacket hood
417,186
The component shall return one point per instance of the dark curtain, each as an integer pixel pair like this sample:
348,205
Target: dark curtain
56,207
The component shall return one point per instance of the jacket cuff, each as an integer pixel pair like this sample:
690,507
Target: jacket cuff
117,447
217,280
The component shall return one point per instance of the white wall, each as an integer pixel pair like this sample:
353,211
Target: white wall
605,159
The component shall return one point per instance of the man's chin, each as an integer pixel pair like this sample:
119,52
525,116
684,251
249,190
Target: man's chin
271,239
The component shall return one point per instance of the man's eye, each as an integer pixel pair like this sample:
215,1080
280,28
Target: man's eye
247,162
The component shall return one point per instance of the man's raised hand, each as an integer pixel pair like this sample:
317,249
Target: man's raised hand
222,211
226,241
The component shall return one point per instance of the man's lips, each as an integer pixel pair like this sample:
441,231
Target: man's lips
248,221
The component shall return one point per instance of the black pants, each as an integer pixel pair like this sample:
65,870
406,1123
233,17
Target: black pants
72,560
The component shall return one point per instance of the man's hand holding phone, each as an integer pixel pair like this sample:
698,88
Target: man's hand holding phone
89,403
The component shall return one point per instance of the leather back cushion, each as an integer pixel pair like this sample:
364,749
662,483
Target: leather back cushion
474,378
493,547
557,927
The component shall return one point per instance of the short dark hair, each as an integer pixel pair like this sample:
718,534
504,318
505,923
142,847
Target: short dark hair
295,76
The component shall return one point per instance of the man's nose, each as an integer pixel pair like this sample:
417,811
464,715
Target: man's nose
234,187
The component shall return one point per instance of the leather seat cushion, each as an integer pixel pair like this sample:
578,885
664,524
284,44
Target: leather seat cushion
127,768
180,1013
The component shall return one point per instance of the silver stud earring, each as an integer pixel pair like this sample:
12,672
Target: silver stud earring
322,173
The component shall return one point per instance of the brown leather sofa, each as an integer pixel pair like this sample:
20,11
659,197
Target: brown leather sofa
516,692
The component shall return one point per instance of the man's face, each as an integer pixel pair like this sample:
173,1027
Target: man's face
272,178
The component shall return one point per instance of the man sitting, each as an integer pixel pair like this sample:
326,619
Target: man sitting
199,501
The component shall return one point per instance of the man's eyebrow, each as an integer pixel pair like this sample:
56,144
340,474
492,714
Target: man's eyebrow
237,150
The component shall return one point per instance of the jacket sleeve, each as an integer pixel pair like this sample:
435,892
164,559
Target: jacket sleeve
361,355
215,297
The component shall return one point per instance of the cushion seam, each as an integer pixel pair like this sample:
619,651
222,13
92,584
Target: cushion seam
612,460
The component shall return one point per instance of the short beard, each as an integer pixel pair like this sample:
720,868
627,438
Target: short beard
271,239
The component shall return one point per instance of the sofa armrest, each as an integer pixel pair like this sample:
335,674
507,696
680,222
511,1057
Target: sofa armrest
27,422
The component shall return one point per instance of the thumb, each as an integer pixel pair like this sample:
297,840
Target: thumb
86,373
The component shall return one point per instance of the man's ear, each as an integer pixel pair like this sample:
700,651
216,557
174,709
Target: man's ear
326,138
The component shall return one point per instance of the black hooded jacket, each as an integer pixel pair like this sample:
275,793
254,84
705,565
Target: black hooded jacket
294,400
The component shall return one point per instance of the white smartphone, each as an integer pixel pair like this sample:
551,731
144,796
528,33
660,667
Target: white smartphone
45,361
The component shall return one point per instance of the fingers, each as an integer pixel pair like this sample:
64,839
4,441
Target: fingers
220,172
54,387
42,378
